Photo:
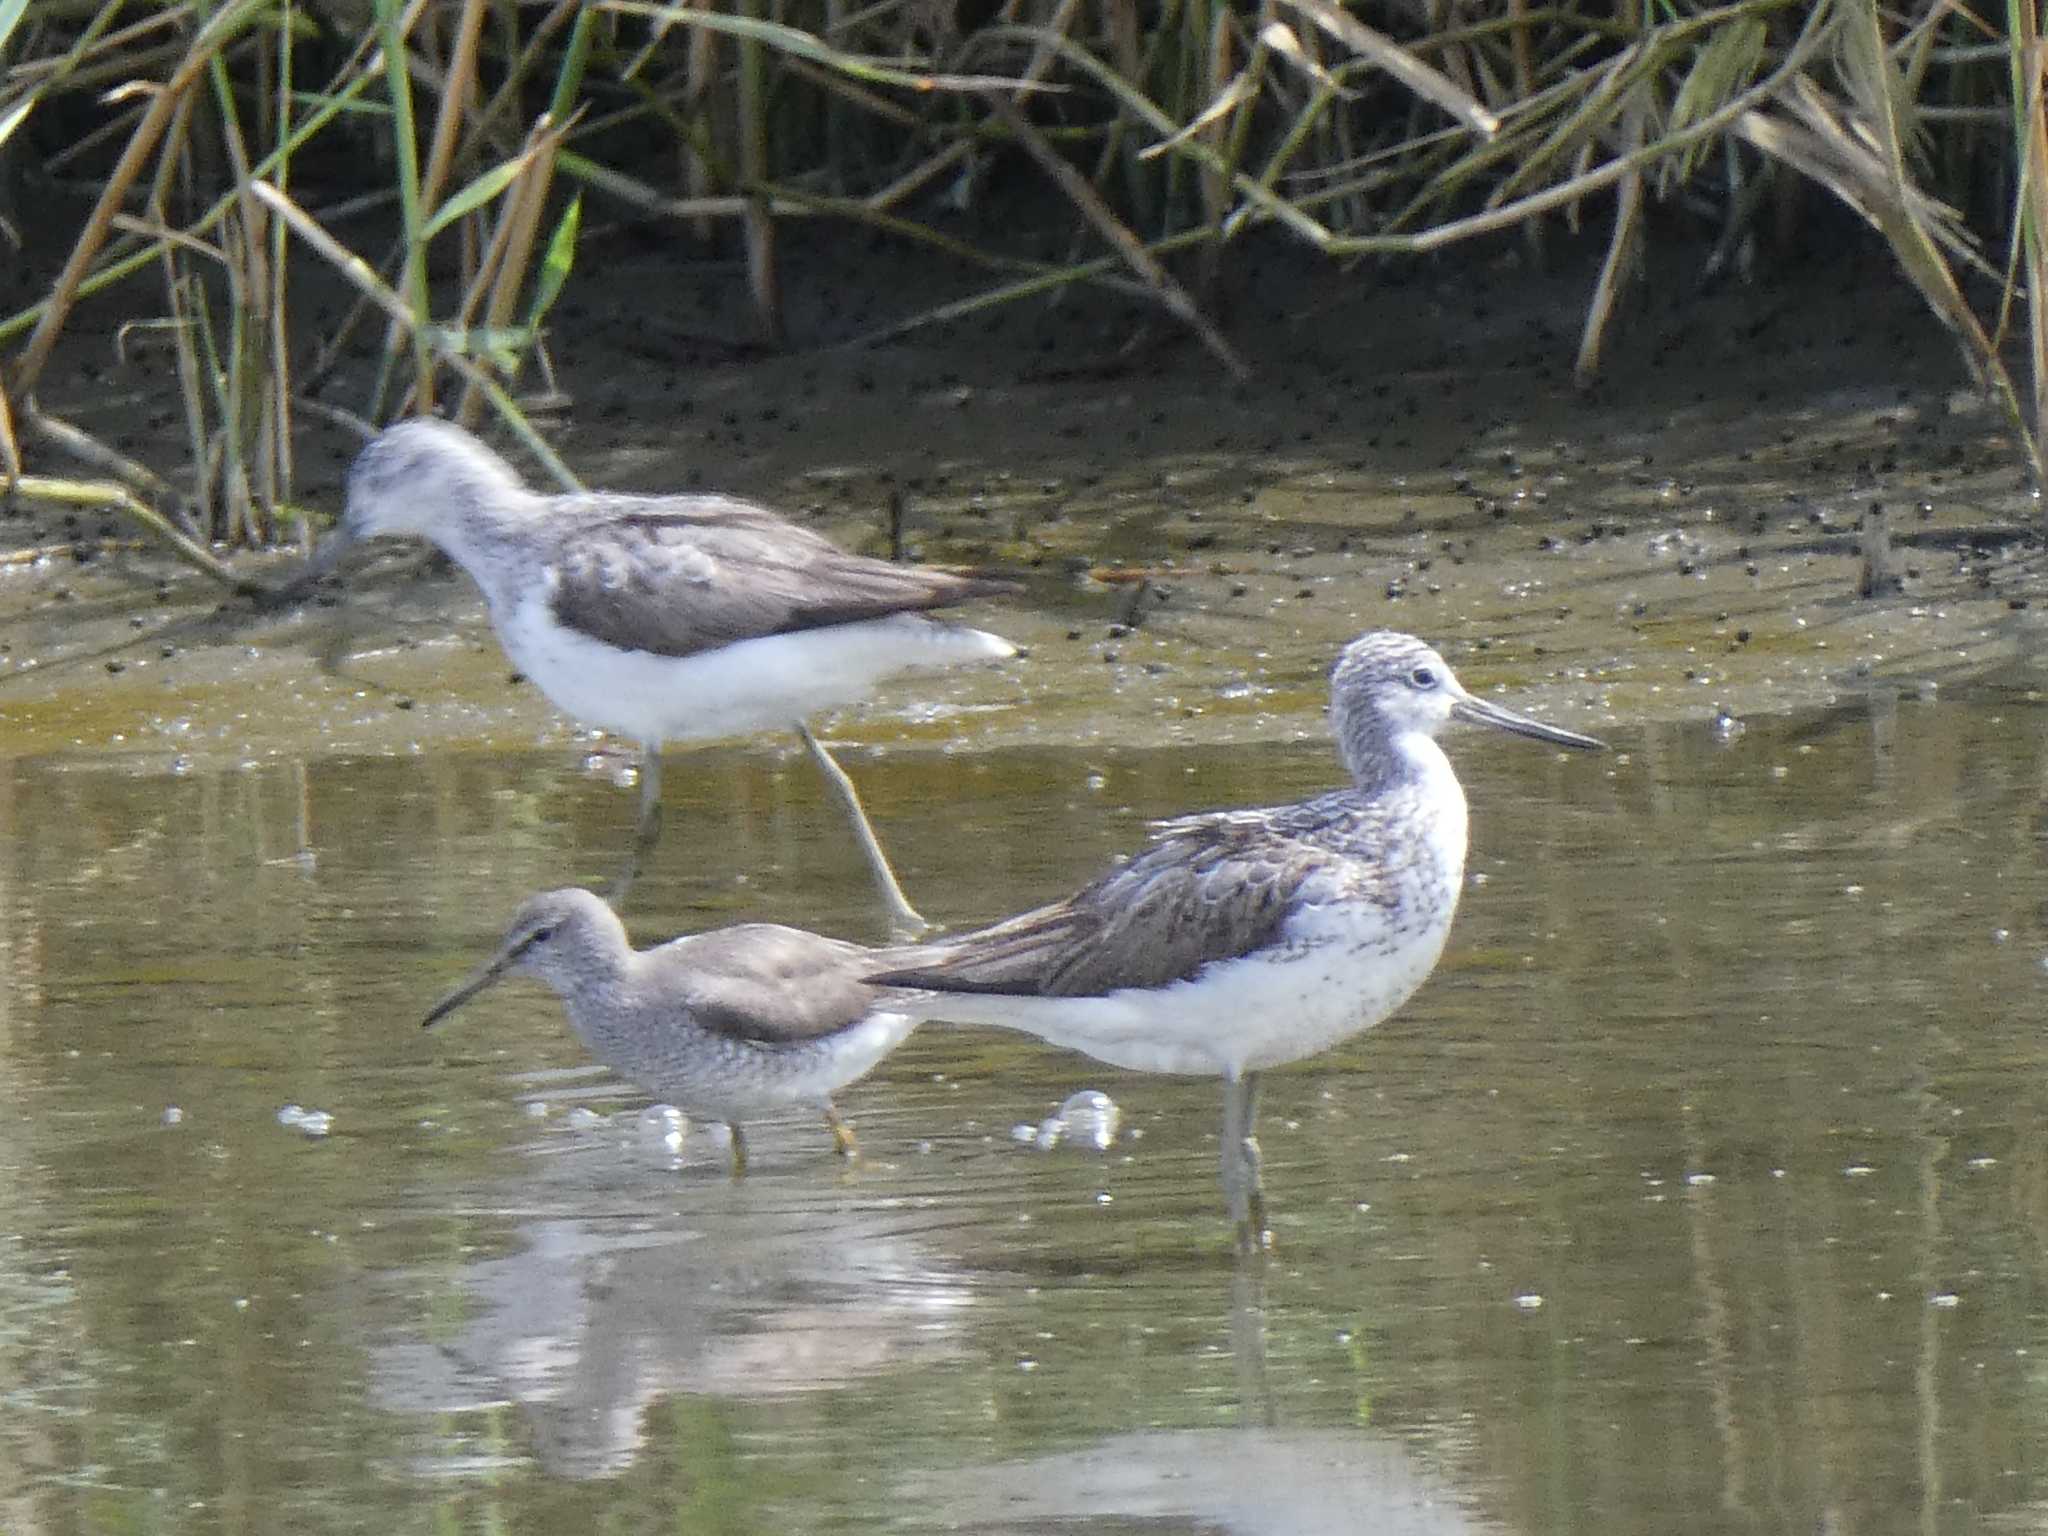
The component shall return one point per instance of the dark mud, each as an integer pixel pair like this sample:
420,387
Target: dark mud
1686,540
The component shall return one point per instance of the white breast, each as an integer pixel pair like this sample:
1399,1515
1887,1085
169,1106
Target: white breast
770,683
1338,970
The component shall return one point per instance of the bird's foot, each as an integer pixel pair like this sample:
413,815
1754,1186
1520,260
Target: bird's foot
906,924
842,1134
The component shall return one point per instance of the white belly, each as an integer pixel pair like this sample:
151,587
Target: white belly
770,683
1341,970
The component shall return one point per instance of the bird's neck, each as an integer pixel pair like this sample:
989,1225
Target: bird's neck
598,992
1383,765
481,528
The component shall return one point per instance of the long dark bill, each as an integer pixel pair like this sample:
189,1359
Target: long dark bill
335,545
490,971
334,548
1480,712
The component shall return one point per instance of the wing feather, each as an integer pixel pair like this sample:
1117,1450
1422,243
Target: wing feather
1211,888
767,984
677,575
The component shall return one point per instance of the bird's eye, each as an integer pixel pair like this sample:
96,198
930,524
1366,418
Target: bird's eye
1422,677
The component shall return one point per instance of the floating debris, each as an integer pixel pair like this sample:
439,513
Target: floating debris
309,1122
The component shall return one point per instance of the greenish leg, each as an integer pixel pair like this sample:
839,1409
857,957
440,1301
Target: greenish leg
647,831
739,1149
842,1133
904,921
1243,1184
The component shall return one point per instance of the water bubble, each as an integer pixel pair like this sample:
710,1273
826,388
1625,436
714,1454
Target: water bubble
658,1120
173,1115
666,1126
582,1118
1089,1118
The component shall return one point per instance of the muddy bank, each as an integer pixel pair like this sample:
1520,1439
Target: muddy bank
1685,541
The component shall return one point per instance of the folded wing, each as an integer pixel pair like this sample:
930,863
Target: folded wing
677,575
764,983
1212,888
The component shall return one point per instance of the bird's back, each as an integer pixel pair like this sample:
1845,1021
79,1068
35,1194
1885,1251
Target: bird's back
1212,888
679,575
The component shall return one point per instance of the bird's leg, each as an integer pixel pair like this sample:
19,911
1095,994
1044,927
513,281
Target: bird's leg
1229,1156
1248,1337
1254,1167
739,1149
646,831
842,1133
1239,1158
904,922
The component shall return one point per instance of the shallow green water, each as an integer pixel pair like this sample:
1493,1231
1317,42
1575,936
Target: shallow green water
1702,1190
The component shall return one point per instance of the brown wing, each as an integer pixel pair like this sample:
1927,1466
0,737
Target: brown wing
676,575
1212,888
768,984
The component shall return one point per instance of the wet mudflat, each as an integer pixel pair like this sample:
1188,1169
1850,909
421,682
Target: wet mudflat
1701,1189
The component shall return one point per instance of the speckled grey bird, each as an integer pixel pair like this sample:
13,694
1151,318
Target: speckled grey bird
1245,939
724,1025
667,618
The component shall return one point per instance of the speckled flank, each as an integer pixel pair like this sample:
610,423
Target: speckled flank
1245,939
650,1040
723,1024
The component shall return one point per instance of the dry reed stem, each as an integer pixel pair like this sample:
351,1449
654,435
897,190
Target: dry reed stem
1418,77
507,100
163,105
525,201
178,302
2031,219
458,90
249,279
1828,152
1090,205
358,271
10,447
750,107
700,100
108,497
1619,265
